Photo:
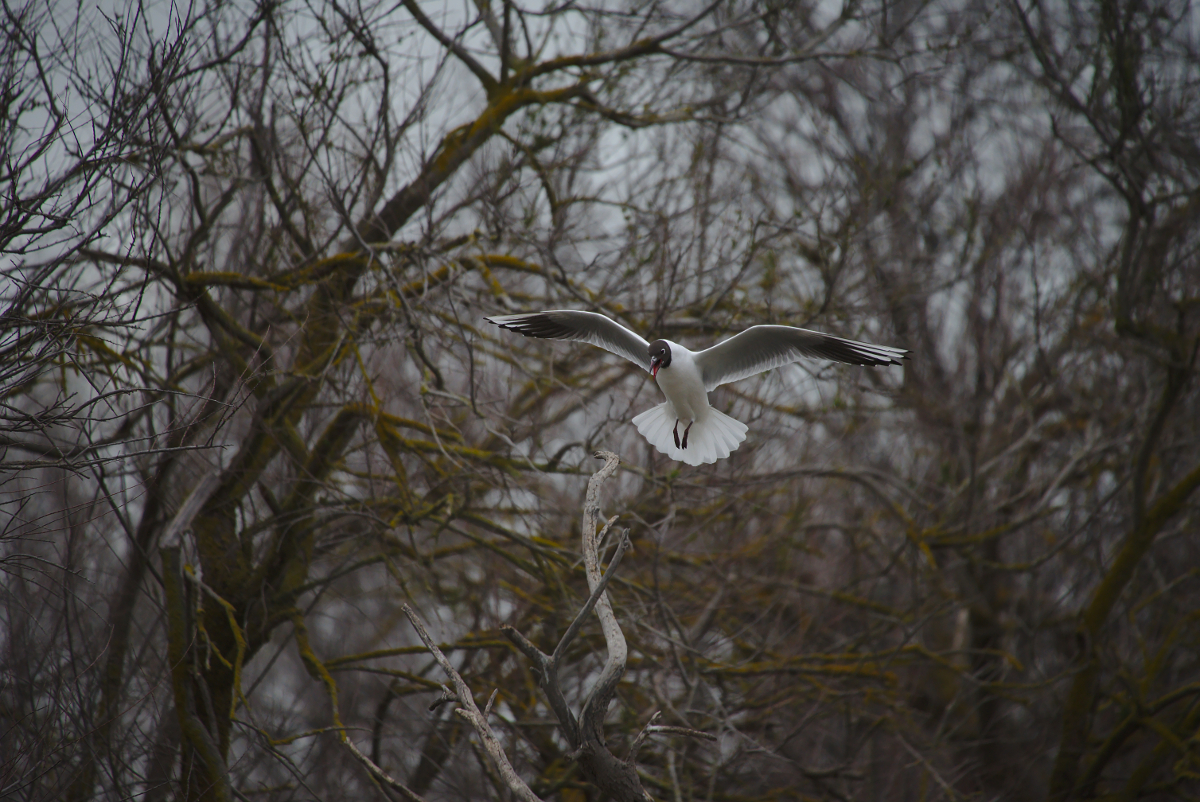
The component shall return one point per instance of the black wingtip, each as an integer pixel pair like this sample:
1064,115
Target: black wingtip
897,360
852,352
535,324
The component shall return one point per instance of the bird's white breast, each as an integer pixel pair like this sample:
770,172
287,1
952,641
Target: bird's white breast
682,385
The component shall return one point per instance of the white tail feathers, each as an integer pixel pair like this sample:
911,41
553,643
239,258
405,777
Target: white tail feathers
712,437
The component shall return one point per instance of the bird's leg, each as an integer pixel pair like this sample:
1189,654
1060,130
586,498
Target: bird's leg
675,432
685,432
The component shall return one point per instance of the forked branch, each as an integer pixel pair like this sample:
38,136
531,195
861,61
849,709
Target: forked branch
617,778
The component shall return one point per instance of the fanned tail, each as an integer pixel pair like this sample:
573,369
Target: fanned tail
714,437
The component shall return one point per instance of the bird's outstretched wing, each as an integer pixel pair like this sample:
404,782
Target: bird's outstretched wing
588,327
760,348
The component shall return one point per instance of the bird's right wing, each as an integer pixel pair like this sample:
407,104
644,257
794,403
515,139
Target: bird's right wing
760,348
588,327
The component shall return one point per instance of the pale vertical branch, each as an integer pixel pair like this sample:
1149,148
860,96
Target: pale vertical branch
616,778
591,718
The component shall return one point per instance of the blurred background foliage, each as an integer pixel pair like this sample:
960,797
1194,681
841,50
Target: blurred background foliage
250,405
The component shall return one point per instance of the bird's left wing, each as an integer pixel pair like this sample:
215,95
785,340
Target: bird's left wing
760,348
588,327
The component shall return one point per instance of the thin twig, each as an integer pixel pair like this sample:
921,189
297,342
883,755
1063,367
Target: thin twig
547,671
470,712
686,731
662,729
641,738
447,695
573,630
381,775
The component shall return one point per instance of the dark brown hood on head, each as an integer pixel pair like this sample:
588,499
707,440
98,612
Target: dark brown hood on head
661,350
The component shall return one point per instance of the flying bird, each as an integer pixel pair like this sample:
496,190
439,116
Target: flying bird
685,427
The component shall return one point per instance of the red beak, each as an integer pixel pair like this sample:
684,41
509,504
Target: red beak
655,364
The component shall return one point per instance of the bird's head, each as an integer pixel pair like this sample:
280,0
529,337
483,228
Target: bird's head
660,356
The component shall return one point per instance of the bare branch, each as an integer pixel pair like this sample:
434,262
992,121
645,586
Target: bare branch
470,712
485,78
634,747
381,775
595,707
573,630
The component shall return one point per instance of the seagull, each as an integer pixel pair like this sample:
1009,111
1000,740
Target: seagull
686,377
